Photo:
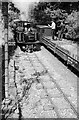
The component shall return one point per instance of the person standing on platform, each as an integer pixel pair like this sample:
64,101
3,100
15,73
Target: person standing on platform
52,26
61,31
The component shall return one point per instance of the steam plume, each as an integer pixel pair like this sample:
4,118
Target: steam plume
24,6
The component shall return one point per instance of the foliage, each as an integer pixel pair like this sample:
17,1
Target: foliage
44,12
13,12
13,8
72,25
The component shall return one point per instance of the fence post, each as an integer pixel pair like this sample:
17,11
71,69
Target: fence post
5,15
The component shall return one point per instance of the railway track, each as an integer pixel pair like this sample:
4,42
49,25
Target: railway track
35,72
34,60
49,98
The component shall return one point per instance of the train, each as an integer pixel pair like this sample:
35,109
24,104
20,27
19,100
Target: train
41,34
25,35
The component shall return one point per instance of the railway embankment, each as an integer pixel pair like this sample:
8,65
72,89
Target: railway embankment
36,82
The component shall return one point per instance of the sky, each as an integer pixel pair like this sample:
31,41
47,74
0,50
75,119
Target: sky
24,6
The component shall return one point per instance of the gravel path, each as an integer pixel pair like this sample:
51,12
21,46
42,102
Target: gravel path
33,98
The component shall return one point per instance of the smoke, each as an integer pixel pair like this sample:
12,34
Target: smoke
25,6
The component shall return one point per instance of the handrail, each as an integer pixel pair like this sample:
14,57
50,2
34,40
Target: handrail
59,48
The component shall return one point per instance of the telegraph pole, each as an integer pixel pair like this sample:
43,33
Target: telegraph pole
5,16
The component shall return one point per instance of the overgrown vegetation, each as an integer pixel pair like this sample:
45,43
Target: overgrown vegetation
68,12
13,13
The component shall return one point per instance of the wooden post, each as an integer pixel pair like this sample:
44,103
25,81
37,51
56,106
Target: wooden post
6,65
14,73
5,15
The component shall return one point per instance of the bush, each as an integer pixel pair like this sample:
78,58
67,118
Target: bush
43,14
72,26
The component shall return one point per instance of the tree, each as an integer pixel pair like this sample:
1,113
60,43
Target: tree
13,12
73,26
44,12
39,13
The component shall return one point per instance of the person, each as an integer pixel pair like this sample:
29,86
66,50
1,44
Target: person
52,26
61,31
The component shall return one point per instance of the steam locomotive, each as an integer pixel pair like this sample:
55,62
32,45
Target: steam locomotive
25,35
